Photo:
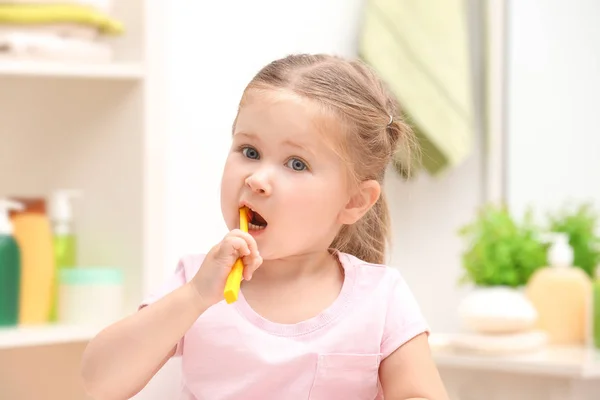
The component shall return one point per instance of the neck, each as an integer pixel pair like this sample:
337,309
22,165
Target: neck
290,268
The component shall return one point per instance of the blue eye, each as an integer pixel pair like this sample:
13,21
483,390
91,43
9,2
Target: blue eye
297,164
250,152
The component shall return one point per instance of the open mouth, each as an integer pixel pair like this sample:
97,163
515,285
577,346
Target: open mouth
256,221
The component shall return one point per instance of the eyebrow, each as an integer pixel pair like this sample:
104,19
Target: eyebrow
247,135
287,141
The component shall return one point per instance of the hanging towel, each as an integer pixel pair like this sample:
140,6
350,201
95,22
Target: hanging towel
25,14
421,49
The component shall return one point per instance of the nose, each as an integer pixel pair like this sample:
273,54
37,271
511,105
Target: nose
259,184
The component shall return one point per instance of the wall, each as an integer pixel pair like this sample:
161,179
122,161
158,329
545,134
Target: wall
554,92
426,215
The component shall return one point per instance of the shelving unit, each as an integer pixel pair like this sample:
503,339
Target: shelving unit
97,128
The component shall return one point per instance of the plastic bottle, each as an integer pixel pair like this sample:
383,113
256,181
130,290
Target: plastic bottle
561,295
596,309
90,296
34,237
64,239
10,266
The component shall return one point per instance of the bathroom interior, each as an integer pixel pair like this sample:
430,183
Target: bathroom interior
115,122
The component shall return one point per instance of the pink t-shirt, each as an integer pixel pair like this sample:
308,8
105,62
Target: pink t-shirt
231,352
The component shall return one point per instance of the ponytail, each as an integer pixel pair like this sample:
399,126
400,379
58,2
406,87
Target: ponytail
368,238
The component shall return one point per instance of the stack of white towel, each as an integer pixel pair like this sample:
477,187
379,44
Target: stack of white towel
63,30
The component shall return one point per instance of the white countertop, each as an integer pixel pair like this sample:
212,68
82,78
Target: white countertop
568,362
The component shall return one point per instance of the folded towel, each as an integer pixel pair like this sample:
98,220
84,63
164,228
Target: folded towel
101,5
421,49
28,14
46,47
62,30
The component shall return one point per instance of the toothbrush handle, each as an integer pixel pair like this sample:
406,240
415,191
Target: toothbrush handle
234,279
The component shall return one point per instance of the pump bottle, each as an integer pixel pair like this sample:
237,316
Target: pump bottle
10,266
561,294
64,238
34,236
595,324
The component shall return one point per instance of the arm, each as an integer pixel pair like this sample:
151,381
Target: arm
409,373
122,359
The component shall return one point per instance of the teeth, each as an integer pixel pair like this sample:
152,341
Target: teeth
254,227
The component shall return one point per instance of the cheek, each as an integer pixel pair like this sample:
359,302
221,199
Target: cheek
229,196
316,203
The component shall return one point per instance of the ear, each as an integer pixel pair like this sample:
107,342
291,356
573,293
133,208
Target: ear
361,201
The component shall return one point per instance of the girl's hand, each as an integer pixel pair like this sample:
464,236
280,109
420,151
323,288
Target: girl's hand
212,275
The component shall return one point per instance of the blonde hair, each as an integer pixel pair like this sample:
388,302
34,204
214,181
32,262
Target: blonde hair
374,131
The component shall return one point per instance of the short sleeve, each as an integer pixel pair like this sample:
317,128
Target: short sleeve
404,319
175,281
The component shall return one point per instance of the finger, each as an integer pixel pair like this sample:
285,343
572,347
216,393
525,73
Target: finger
237,246
252,245
251,264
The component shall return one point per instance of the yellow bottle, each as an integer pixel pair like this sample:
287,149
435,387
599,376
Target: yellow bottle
561,295
33,234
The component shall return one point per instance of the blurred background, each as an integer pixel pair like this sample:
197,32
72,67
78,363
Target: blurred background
115,121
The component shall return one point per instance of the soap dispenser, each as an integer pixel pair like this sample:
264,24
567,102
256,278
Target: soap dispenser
64,238
33,234
561,294
10,266
596,309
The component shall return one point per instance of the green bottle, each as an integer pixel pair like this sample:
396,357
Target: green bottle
65,241
10,267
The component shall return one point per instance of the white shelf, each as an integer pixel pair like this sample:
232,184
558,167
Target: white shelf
579,362
11,338
112,71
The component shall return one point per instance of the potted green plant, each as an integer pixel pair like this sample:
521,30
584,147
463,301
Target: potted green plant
501,251
580,223
500,256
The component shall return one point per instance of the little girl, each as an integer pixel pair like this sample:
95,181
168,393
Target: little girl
318,316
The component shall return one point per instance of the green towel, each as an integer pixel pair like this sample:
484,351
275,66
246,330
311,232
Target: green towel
421,49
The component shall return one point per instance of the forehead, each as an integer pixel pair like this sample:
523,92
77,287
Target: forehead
283,115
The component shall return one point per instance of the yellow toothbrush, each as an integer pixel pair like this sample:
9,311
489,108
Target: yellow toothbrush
232,286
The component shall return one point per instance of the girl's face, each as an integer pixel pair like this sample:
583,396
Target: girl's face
281,167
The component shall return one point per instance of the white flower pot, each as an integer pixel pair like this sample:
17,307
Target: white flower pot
497,310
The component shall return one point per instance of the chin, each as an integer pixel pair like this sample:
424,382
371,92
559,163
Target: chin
267,252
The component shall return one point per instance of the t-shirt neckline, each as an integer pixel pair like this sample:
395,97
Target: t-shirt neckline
311,324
